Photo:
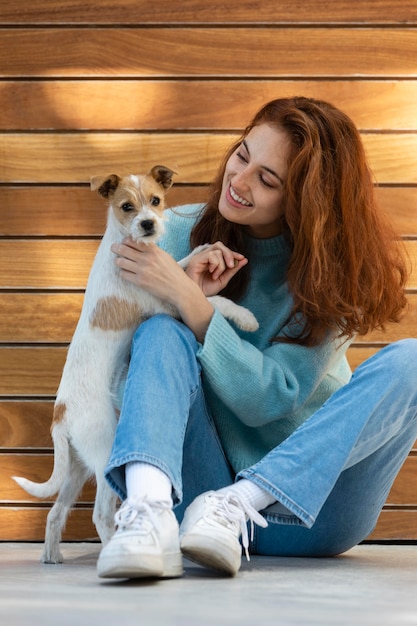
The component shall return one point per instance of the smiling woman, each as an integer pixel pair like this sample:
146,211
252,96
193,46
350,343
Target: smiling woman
238,408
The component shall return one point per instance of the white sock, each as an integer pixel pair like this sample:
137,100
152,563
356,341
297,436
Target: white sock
144,480
257,497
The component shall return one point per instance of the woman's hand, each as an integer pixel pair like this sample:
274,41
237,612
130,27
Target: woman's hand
151,268
213,267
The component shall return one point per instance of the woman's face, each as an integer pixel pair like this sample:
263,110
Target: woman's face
254,181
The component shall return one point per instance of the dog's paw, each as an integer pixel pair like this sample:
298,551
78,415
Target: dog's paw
242,317
52,558
246,321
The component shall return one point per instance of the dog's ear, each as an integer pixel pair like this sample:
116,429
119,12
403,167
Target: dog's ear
163,175
105,185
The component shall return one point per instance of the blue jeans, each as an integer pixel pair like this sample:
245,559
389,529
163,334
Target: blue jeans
330,478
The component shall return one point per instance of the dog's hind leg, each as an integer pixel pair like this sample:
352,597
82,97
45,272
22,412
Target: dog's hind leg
58,515
104,509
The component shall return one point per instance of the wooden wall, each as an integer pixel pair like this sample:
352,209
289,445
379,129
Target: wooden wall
88,88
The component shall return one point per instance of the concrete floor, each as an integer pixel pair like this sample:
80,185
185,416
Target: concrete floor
371,584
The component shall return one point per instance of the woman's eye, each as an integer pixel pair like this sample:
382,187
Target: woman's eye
155,201
126,207
266,183
242,157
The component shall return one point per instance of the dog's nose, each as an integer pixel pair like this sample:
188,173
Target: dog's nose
148,226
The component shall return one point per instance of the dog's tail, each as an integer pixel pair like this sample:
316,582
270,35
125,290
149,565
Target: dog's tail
61,467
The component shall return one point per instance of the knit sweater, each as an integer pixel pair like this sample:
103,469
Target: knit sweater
259,391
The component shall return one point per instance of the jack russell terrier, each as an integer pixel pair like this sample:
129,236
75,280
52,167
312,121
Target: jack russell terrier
85,416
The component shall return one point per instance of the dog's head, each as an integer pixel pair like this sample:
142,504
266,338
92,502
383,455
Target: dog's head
137,201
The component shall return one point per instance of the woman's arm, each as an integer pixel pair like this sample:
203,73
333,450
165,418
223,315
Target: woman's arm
153,269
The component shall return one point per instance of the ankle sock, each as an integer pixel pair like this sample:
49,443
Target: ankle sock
257,497
144,480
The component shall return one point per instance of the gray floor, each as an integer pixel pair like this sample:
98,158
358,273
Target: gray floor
371,584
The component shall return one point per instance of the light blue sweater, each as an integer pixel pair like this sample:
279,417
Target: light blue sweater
258,391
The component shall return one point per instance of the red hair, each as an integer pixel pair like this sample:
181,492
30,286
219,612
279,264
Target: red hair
347,270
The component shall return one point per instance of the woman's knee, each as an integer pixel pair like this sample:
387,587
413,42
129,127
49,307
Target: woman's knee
165,328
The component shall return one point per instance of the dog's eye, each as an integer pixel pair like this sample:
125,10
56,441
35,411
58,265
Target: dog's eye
126,207
155,201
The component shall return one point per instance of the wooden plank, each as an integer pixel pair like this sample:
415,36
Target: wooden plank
25,424
395,525
39,317
52,317
198,105
66,263
400,204
83,213
36,467
403,491
28,524
181,52
31,371
76,211
357,354
43,264
198,12
75,157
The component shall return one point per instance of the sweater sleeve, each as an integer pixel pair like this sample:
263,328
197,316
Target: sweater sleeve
260,387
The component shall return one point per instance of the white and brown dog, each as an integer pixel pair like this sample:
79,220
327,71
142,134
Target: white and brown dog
85,415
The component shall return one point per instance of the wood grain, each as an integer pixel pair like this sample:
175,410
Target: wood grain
25,424
62,264
387,52
50,157
21,523
197,12
31,371
74,210
203,105
52,317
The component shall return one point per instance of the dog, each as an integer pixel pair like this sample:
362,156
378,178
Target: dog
85,414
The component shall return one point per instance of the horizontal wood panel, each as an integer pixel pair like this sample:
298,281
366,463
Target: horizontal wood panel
39,317
28,524
403,491
50,157
31,371
198,105
25,424
357,354
55,264
395,525
181,52
76,211
216,11
36,371
52,318
36,467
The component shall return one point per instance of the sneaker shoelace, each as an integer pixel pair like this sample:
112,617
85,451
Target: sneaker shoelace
231,511
140,515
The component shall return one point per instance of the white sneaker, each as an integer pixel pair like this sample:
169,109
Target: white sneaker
211,528
145,544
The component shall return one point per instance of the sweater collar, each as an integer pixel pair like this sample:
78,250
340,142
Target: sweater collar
277,247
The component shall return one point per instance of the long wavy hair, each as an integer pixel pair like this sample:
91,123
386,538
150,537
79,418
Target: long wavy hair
348,269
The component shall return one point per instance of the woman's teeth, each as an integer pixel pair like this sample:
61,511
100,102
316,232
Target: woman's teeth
237,198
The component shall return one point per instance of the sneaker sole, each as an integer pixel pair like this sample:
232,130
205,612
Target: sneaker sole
141,566
212,553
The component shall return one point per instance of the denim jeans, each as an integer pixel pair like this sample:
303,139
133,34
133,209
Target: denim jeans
330,478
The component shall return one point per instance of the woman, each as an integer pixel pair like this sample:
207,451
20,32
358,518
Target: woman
224,424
